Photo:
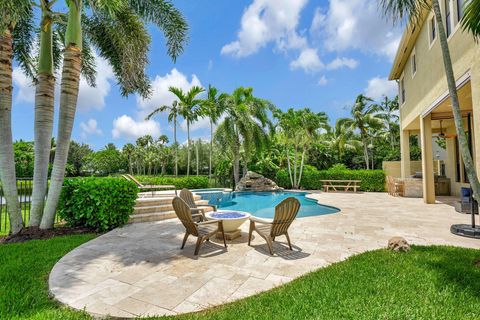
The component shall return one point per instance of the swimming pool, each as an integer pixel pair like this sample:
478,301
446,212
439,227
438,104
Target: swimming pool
262,204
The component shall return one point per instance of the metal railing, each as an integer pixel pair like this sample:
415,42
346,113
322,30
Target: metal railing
24,187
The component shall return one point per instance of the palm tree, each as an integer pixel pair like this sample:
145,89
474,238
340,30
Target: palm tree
413,10
211,108
244,125
471,17
118,30
341,138
364,118
128,151
16,37
173,111
388,111
188,104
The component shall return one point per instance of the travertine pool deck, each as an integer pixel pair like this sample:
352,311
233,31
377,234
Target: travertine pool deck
139,270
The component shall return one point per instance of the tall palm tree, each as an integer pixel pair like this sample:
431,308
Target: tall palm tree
211,108
117,28
128,151
414,10
173,112
364,118
244,125
388,111
188,103
16,37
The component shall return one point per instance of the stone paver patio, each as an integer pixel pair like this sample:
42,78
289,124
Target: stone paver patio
139,270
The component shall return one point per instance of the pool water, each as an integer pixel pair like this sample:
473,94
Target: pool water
262,204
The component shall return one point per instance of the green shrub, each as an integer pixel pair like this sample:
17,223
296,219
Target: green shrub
99,203
372,180
192,182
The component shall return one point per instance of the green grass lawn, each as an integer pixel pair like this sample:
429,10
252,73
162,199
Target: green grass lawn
426,283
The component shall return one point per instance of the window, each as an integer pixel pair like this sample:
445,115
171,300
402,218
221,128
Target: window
402,91
448,18
413,61
433,30
460,4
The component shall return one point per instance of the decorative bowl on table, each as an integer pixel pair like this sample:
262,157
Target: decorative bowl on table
232,220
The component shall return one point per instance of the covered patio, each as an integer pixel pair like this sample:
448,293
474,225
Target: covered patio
139,270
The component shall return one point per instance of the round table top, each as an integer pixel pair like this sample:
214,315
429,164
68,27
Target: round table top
228,214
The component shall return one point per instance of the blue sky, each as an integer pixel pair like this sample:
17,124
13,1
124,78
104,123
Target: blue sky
295,53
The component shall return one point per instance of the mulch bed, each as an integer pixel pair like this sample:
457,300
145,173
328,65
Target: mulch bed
37,234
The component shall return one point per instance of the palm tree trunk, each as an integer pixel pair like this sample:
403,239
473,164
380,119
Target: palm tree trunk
196,155
236,166
211,151
295,186
7,161
301,166
72,62
365,152
44,110
175,142
289,167
457,115
188,148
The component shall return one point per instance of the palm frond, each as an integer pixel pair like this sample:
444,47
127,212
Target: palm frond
23,36
404,10
168,18
471,18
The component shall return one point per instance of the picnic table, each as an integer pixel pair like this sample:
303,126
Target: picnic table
346,185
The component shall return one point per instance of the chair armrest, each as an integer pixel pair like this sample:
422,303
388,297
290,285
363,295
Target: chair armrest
209,222
259,220
197,209
214,207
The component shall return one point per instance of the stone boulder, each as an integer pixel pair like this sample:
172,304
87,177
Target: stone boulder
398,244
256,182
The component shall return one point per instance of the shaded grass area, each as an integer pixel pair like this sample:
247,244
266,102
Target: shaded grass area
434,282
24,270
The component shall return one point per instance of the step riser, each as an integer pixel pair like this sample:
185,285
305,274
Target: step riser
149,202
153,217
162,208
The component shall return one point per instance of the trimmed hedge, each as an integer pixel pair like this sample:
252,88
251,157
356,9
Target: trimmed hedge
192,182
372,180
99,203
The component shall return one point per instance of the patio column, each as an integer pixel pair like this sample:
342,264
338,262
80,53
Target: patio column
427,159
405,153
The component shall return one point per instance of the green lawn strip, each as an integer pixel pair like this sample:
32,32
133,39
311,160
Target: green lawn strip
24,270
426,283
435,282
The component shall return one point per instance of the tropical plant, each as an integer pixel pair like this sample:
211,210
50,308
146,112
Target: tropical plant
341,138
244,125
16,37
471,17
117,29
173,112
364,119
298,129
212,109
188,109
77,154
400,10
387,110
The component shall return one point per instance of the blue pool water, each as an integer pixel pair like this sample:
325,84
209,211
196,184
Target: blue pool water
228,215
262,204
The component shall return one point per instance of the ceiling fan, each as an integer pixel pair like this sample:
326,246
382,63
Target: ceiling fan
444,135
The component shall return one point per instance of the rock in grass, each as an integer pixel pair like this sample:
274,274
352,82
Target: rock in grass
398,244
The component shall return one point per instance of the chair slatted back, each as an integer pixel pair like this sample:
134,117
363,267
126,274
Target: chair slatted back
285,212
187,196
184,215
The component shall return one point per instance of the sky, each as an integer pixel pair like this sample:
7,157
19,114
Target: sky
295,53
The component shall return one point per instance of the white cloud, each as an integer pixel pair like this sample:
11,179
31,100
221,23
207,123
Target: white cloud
308,60
378,87
323,81
338,63
128,128
90,128
25,87
94,97
266,21
160,94
356,24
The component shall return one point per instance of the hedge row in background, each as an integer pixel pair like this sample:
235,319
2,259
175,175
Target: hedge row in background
99,203
192,182
372,180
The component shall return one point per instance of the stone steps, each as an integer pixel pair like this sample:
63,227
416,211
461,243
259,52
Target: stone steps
157,209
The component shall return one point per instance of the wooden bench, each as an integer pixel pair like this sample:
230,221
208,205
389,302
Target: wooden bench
346,185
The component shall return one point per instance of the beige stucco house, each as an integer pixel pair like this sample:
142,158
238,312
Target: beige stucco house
425,107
